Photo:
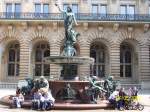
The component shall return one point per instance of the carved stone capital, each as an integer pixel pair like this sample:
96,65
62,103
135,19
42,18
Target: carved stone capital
115,27
9,27
24,25
85,26
40,27
55,26
146,27
100,28
130,29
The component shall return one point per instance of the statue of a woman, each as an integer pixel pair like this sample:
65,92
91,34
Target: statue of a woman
70,33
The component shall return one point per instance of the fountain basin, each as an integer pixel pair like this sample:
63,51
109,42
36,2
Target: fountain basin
68,60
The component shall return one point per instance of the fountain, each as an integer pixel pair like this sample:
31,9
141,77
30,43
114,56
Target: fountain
67,58
69,90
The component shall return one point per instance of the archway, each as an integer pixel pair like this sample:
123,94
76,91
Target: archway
99,51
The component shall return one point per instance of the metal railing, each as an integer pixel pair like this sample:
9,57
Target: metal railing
6,85
79,16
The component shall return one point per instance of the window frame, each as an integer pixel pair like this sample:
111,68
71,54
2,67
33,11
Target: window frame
16,60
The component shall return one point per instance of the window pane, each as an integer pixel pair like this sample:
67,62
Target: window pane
45,8
123,9
128,71
95,9
9,10
103,9
131,9
17,70
17,7
75,8
121,56
121,70
38,69
17,10
9,7
65,6
46,70
101,71
12,55
93,54
11,69
37,8
127,57
38,56
46,53
101,57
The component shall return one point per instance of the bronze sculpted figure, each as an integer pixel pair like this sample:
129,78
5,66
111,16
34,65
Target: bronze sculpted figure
70,34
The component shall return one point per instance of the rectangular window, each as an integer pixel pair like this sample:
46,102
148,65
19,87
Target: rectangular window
9,7
9,10
123,9
65,6
103,9
17,10
131,10
45,8
75,8
37,10
95,9
127,11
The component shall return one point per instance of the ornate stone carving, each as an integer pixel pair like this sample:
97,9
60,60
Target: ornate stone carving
24,25
130,30
10,32
116,27
40,27
85,26
55,26
100,28
146,27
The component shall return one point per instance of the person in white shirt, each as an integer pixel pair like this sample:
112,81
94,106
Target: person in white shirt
48,101
112,98
18,99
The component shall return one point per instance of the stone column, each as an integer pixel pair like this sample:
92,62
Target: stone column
54,69
144,63
24,61
115,60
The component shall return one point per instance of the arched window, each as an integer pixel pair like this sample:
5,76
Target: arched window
13,59
125,60
41,67
97,52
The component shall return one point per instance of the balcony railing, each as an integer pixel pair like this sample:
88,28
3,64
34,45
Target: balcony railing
79,16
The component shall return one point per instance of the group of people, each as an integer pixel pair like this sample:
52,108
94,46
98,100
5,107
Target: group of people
41,96
120,98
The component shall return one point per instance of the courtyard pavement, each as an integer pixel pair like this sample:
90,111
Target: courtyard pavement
144,99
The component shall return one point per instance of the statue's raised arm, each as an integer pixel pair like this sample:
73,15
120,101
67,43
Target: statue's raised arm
59,8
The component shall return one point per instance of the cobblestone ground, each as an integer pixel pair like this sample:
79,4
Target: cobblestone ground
144,99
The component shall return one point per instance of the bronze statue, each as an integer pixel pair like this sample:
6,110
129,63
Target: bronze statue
109,85
70,34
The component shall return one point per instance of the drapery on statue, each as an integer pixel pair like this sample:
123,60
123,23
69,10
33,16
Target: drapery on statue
70,34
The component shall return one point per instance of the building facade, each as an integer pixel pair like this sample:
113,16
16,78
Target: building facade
114,32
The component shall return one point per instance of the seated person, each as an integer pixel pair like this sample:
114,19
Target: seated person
47,101
18,99
43,85
36,100
113,98
121,101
